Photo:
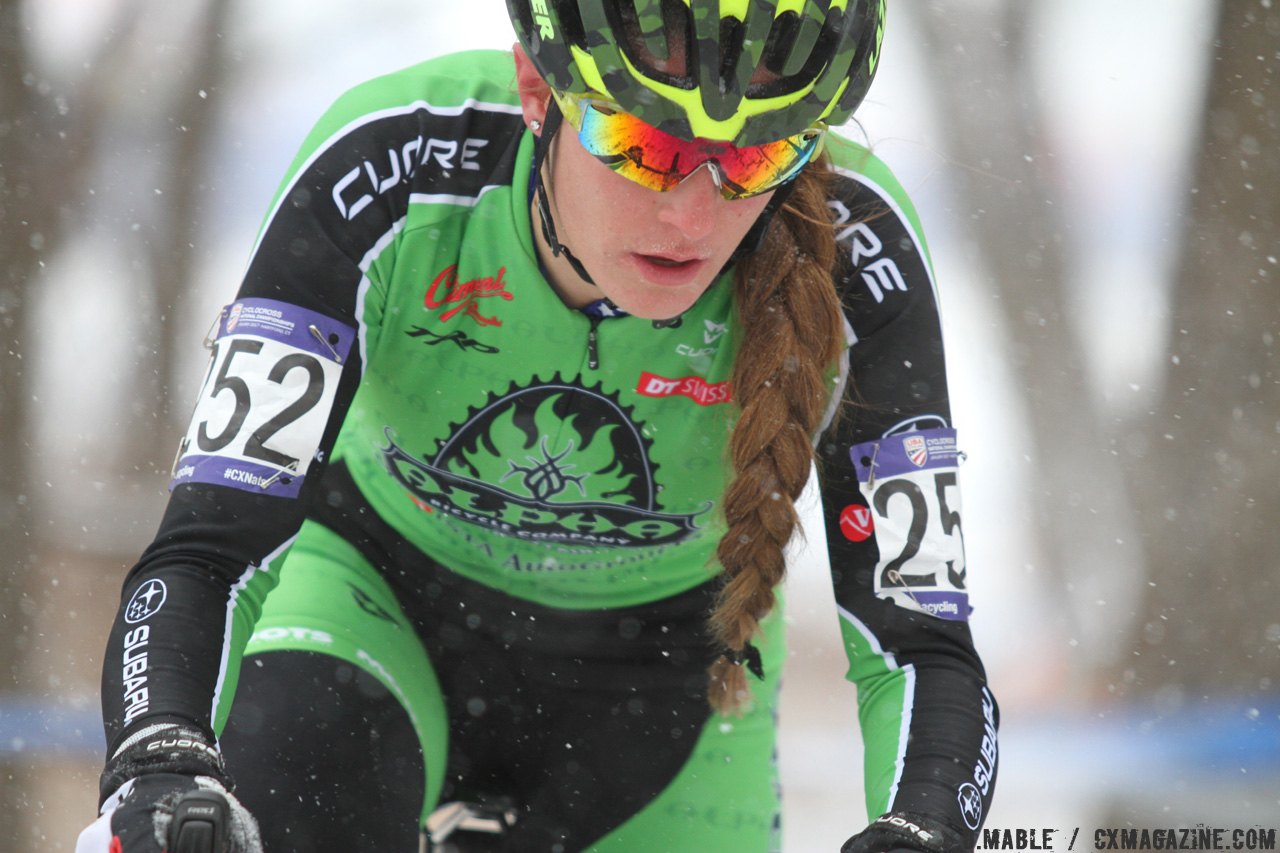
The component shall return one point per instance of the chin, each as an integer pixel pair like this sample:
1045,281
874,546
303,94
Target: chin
664,306
657,302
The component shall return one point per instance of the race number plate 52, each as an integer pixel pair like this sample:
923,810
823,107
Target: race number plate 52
263,406
909,482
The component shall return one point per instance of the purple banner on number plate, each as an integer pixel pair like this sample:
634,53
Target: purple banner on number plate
238,474
289,324
904,453
950,605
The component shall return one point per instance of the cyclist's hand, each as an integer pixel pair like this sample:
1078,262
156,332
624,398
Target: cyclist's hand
902,832
174,813
166,791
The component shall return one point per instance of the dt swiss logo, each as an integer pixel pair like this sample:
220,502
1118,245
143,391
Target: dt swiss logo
696,388
554,462
462,296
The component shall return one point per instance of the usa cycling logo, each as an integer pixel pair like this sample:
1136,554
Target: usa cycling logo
916,450
146,601
550,462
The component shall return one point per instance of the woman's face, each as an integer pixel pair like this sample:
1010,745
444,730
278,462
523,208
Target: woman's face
652,253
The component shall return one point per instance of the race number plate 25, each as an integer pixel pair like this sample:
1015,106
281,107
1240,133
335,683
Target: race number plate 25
263,406
909,482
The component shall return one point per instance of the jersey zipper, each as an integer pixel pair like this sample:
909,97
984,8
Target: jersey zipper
593,343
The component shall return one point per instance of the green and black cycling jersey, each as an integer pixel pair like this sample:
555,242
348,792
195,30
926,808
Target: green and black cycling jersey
395,345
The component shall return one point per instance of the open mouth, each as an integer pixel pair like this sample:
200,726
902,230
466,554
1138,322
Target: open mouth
662,269
671,263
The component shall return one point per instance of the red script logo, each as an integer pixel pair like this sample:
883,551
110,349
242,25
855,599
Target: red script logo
463,295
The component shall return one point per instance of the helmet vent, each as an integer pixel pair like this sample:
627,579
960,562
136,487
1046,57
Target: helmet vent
780,44
571,27
805,58
733,34
667,62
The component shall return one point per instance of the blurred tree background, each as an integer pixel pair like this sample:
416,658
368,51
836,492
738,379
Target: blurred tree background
1152,525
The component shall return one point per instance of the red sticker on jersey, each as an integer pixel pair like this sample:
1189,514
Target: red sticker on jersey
695,388
856,523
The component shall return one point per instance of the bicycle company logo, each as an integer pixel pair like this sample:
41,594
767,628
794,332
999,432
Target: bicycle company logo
856,523
462,296
458,337
551,462
696,388
146,601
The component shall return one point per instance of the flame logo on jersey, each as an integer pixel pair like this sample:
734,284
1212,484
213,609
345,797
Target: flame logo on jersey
555,462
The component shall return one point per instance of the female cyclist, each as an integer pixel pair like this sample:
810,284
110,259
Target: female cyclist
532,359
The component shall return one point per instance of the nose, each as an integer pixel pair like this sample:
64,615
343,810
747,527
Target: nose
692,205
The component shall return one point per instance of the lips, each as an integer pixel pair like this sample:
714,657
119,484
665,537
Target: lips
668,269
668,262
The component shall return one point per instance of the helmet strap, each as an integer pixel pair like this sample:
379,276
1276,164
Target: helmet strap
541,150
755,237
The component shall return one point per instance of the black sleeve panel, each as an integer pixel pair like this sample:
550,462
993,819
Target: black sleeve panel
891,511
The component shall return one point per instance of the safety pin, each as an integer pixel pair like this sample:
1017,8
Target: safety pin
291,468
896,577
211,336
177,457
319,336
871,466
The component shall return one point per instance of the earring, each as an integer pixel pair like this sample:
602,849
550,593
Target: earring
535,125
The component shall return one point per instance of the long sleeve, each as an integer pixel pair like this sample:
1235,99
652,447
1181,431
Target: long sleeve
891,504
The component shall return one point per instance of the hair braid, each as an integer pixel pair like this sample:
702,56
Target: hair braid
792,331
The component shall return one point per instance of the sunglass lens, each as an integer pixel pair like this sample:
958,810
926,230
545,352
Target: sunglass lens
660,161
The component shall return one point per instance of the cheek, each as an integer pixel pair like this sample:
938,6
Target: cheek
737,217
594,196
748,210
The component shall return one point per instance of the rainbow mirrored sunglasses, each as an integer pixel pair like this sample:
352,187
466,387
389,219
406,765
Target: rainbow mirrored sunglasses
655,159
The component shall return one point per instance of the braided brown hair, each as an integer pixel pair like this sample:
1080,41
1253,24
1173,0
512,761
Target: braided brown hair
792,331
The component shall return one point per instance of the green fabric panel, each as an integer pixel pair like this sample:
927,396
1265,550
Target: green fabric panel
881,702
249,603
331,601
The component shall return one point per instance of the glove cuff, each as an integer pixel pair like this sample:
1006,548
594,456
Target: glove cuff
907,830
163,748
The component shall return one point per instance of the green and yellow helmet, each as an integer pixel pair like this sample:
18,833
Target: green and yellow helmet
740,71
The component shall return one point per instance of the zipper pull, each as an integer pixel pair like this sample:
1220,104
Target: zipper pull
593,344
